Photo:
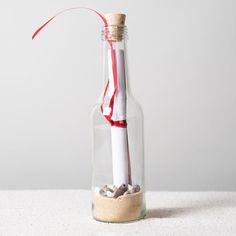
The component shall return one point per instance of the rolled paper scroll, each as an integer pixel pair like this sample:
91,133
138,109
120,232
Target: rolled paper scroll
119,137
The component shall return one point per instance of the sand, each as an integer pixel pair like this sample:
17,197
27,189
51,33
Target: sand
125,208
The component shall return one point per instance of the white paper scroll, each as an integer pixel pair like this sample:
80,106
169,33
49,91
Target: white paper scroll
119,139
119,155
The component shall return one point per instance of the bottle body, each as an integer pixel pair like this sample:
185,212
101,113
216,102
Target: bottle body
118,147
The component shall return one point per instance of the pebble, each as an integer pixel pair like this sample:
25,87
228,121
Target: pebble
112,191
120,191
131,189
137,188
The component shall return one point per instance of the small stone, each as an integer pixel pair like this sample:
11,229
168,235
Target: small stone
110,194
131,189
106,188
108,191
113,188
102,192
120,191
137,188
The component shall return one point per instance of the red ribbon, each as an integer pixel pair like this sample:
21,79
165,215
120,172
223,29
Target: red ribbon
65,10
120,123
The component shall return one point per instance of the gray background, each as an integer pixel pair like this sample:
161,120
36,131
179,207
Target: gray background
182,58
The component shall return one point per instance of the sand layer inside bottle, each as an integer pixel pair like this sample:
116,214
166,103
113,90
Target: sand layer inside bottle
125,208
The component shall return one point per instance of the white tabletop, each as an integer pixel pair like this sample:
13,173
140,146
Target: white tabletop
68,212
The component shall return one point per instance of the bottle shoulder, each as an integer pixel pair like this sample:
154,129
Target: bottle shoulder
134,105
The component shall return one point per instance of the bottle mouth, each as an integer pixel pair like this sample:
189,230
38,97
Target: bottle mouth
114,33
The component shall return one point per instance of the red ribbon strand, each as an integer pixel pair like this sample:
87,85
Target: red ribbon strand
121,123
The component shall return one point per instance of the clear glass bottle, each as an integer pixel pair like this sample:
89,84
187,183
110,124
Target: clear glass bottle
118,147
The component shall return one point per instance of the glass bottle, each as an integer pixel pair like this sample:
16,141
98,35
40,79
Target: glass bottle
118,191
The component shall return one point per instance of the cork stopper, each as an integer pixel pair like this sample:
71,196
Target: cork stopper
115,29
116,19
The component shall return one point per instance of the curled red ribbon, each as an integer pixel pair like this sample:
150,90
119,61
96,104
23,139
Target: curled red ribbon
65,10
122,123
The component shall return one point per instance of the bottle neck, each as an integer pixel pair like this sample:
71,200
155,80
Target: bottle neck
114,55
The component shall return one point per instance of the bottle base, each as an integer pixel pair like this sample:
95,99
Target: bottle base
125,208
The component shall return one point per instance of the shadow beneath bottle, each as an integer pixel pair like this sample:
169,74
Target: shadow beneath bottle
191,208
164,212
